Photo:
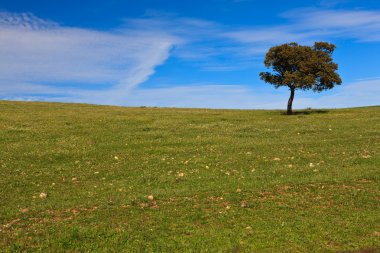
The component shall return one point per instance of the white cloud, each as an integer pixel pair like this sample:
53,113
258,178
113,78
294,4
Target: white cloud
309,25
361,25
25,20
332,3
360,93
327,18
34,51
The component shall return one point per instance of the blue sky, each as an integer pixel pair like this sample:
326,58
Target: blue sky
181,53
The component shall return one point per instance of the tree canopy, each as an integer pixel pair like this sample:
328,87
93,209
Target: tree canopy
301,67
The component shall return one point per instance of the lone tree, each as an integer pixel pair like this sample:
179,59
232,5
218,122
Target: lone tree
301,67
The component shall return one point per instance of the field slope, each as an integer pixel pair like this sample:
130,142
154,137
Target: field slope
76,178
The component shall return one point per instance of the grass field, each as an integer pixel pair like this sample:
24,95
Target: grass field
77,178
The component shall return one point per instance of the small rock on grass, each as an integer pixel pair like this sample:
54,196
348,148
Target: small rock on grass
43,195
244,204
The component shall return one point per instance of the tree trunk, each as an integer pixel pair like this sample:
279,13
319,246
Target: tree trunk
290,102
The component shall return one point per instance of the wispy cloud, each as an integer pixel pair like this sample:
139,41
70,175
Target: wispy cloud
35,51
237,96
355,24
25,20
360,93
309,25
205,43
332,3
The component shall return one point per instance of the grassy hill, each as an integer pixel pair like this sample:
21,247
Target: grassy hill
77,178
